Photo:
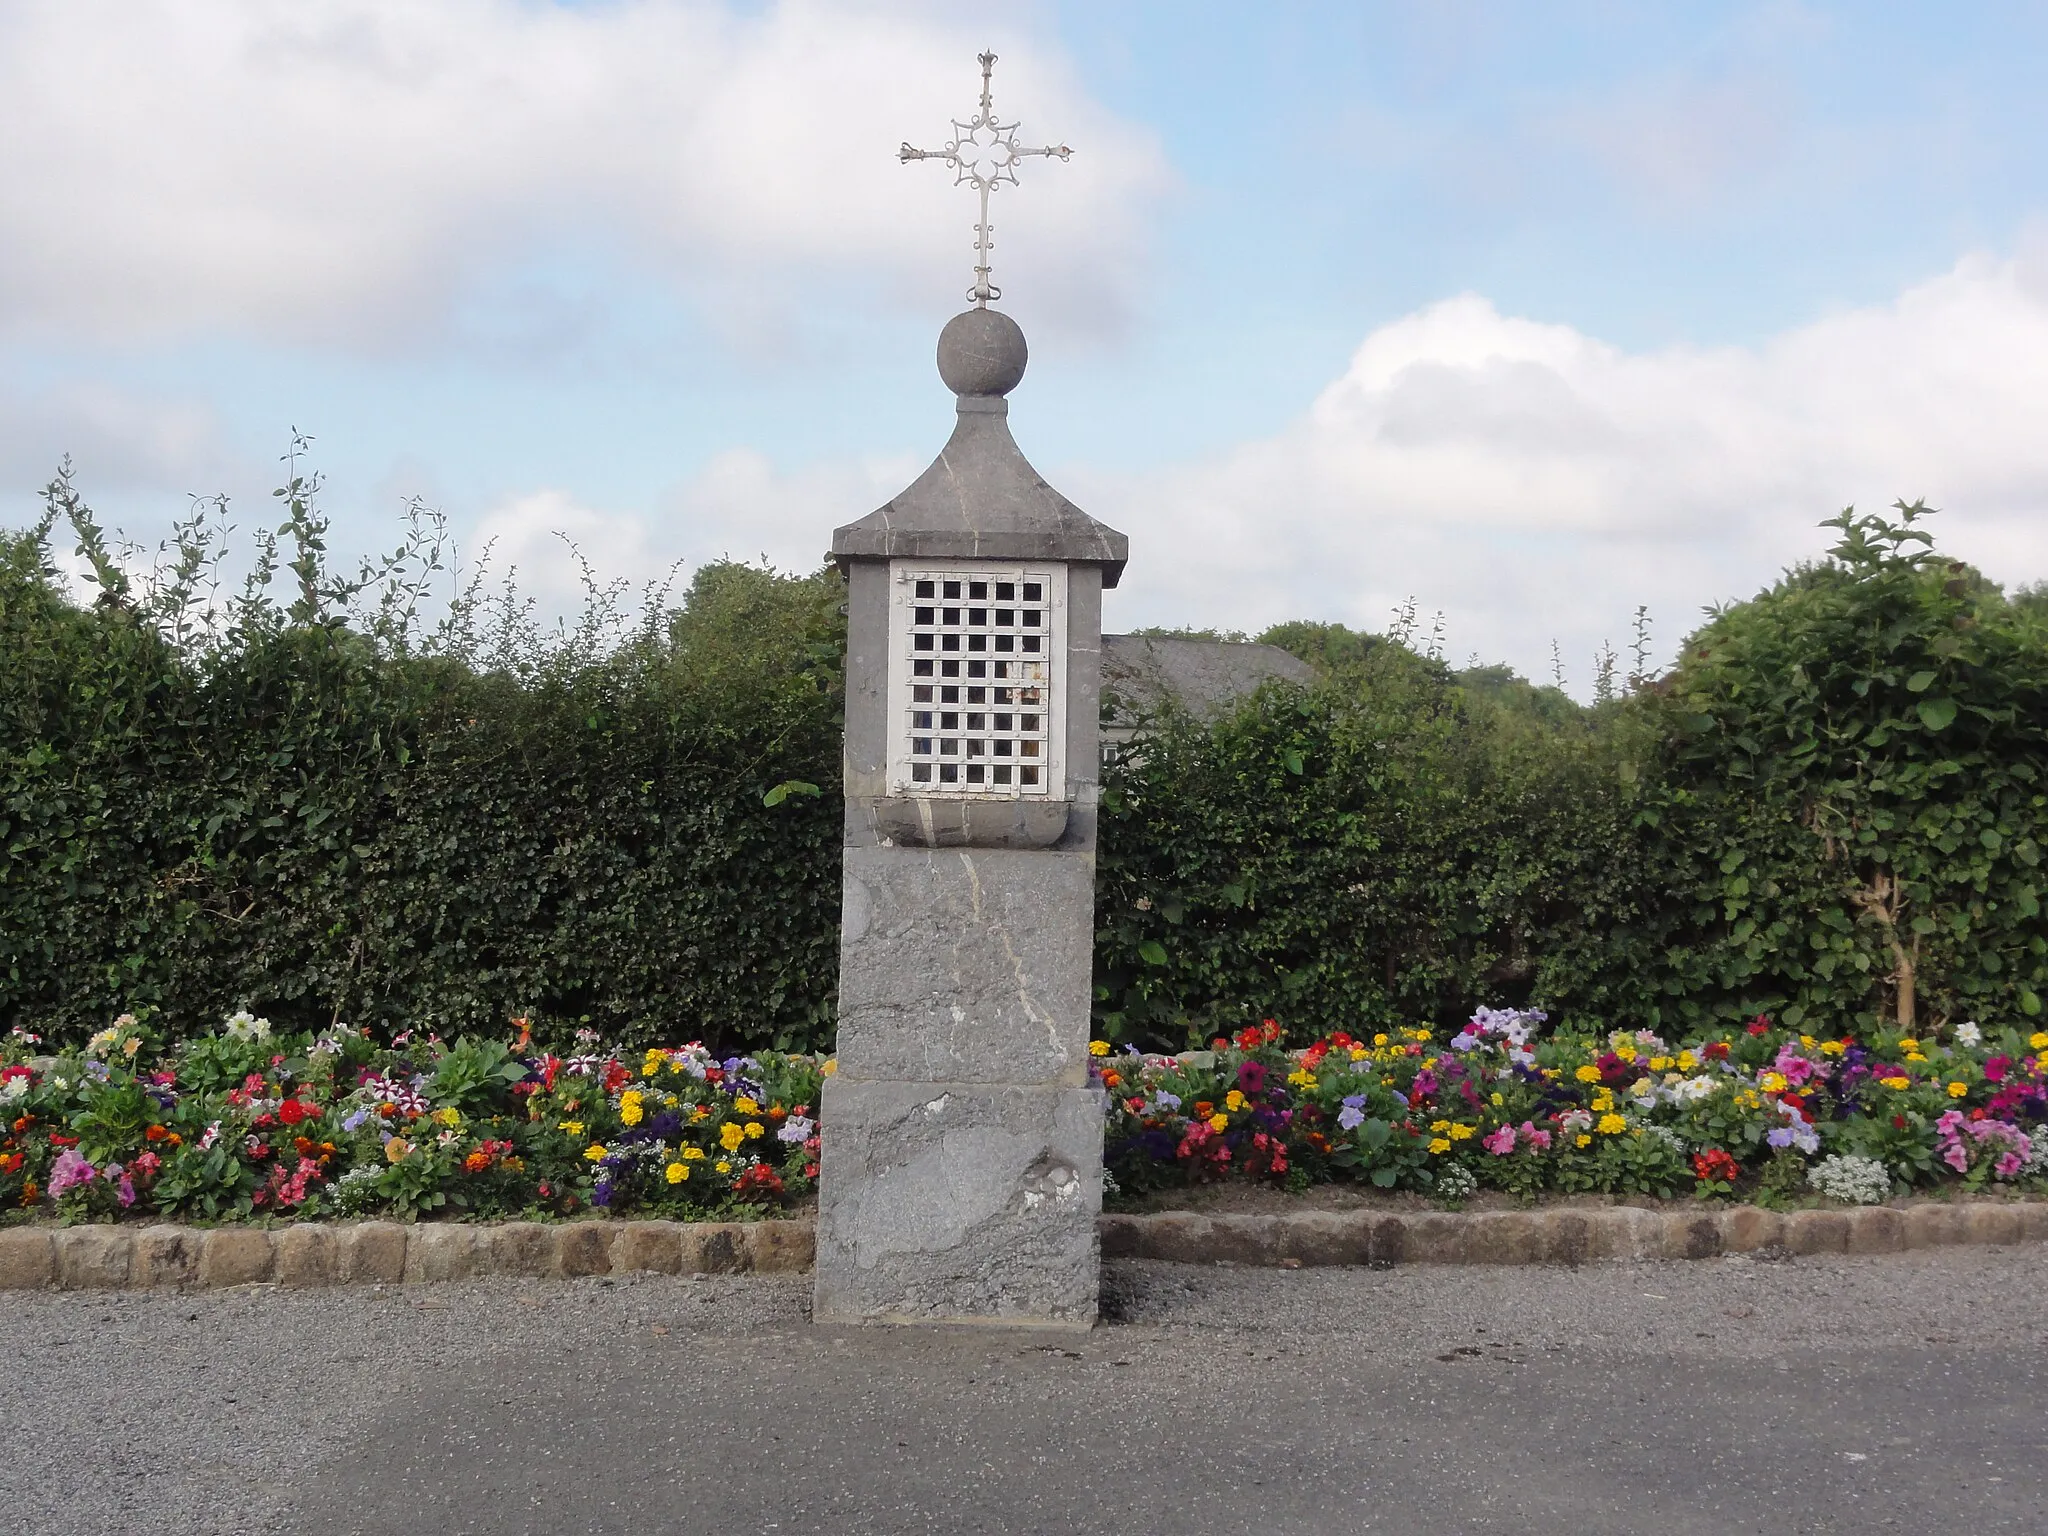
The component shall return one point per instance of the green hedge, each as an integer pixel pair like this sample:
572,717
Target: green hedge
1833,809
306,800
315,810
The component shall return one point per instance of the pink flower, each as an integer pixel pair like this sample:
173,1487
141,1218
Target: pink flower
1797,1068
1540,1140
1996,1068
1501,1142
70,1172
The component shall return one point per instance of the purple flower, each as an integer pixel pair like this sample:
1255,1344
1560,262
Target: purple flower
1251,1077
1781,1137
1164,1100
1352,1115
795,1128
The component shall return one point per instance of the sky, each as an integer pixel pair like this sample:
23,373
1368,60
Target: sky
1534,314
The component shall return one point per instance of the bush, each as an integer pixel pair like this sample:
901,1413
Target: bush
329,811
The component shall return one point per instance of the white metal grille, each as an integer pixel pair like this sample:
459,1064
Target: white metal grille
979,650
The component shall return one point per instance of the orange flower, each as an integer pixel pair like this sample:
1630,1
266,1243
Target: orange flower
1110,1079
1204,1109
477,1162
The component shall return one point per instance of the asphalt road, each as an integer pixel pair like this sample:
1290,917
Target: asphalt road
1904,1393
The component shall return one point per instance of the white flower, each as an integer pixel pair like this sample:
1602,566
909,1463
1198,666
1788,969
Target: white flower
14,1088
244,1025
1969,1034
102,1042
1853,1180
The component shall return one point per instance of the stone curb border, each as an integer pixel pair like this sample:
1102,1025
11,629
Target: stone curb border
1566,1235
386,1253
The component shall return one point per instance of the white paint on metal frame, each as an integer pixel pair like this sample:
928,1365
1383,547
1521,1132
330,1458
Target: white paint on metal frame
977,679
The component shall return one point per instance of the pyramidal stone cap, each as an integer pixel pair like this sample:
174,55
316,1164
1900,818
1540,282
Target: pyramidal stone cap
981,499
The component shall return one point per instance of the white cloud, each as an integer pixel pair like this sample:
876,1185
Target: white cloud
1535,483
341,170
739,505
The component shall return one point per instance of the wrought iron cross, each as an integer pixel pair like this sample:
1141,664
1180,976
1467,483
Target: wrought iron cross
984,165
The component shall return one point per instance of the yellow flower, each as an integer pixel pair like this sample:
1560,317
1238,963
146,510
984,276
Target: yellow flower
701,1112
1301,1079
1660,1063
1687,1061
1909,1045
1773,1082
1832,1047
397,1150
2038,1040
594,1152
1418,1034
746,1106
677,1172
571,1127
629,1109
1915,1056
1807,1041
1585,1141
1219,1122
730,1135
1438,1144
448,1117
1498,1101
725,1167
830,1067
1438,1127
1625,1052
1588,1074
1386,1082
1464,1132
1233,1101
1957,1090
1358,1053
753,1128
1611,1125
649,1068
1098,1047
692,1154
1379,1039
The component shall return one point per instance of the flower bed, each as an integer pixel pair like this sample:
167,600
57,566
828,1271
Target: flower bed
244,1123
1761,1111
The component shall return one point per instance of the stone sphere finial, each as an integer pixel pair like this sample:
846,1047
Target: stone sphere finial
982,352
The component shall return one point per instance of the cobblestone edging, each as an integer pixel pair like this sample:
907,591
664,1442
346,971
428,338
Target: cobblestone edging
382,1252
1564,1235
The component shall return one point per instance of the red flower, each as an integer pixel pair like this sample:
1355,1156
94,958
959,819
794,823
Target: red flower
12,1162
1898,1122
1760,1025
1718,1051
616,1076
759,1181
810,1170
1135,1106
62,1141
1714,1165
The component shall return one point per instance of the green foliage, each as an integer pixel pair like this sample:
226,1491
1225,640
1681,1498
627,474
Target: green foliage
1851,808
1833,810
325,809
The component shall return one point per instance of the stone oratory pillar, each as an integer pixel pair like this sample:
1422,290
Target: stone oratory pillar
962,1168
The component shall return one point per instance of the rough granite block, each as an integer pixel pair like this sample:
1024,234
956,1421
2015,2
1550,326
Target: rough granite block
373,1253
782,1247
308,1255
648,1245
445,1250
166,1255
27,1260
583,1248
520,1248
94,1258
236,1256
959,1202
966,965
